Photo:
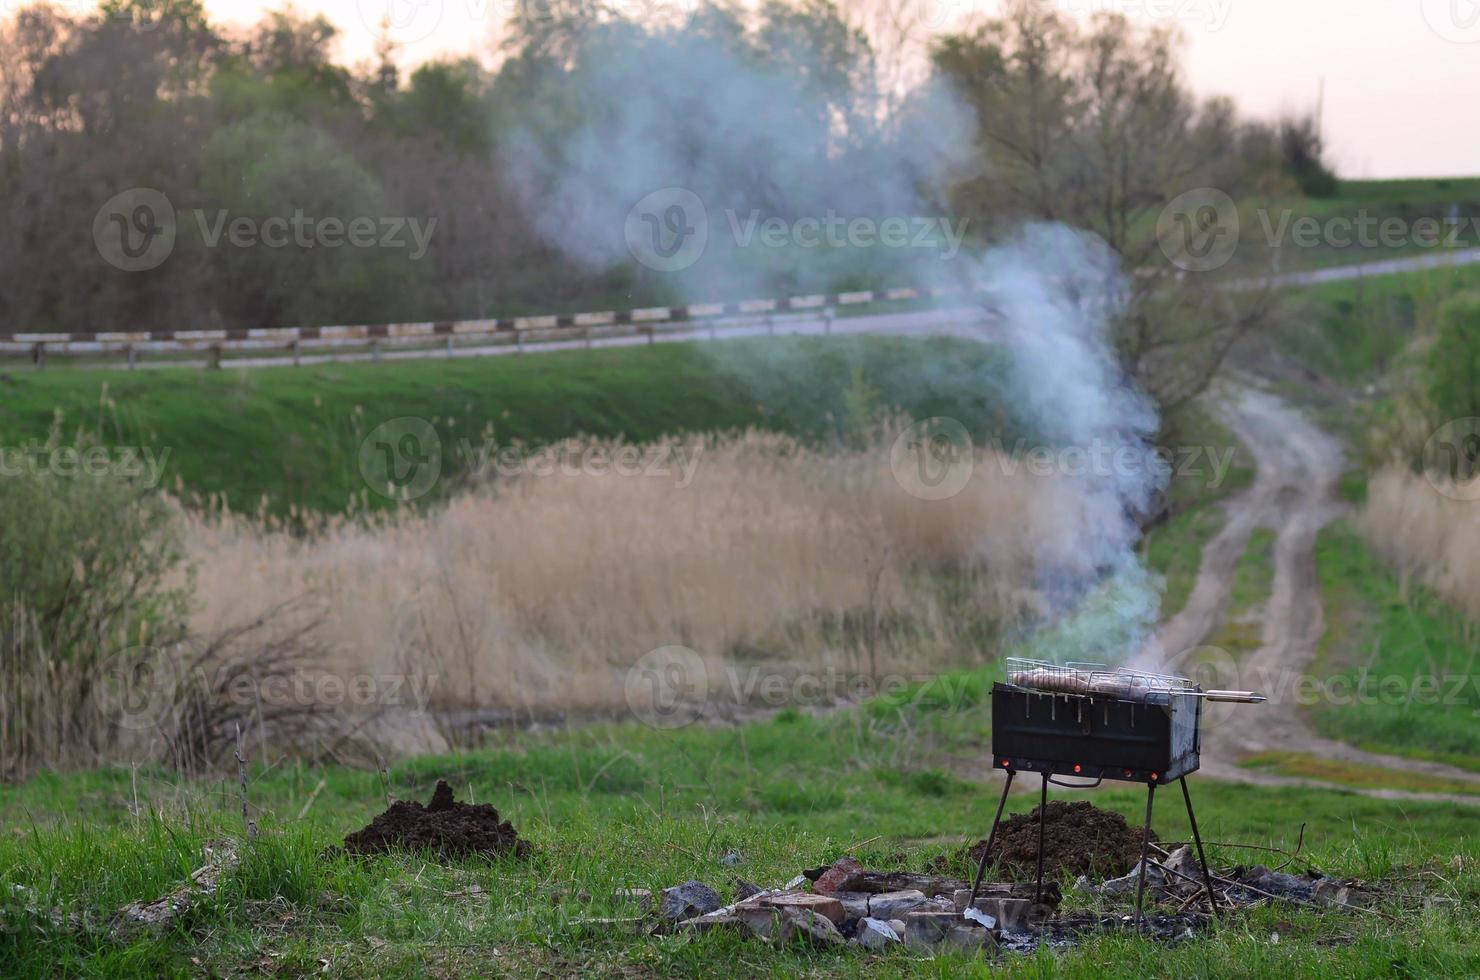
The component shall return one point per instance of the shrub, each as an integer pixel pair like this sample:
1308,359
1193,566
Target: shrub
1454,361
86,554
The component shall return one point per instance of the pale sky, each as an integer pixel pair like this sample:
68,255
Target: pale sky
1402,77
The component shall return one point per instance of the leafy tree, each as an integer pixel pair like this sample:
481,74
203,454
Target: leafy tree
1454,361
1093,126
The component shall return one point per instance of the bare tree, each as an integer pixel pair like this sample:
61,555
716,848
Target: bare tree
1093,126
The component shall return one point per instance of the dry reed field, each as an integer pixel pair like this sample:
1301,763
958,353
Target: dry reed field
1428,531
531,595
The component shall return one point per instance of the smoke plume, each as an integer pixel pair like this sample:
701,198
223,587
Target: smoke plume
775,131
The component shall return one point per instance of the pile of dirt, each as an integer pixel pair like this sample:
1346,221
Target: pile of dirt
1078,838
444,826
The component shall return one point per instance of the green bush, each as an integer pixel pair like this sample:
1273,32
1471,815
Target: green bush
85,557
1454,362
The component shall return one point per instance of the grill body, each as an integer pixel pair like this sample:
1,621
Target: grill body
1096,736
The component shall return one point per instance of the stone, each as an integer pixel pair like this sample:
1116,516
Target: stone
855,904
926,930
895,905
880,882
1012,914
876,934
730,859
784,925
1126,884
824,905
689,899
844,868
898,926
969,937
745,889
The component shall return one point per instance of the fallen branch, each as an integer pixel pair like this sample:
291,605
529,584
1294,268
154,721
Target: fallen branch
311,797
1289,855
1230,883
248,826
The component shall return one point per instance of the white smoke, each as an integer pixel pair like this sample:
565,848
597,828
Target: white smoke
1056,292
669,108
755,133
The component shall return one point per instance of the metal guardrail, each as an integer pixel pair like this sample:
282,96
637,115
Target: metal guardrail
290,343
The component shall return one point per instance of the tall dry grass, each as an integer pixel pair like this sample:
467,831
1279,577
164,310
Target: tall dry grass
533,594
1429,536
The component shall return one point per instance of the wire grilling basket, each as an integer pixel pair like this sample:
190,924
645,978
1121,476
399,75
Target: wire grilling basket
1100,680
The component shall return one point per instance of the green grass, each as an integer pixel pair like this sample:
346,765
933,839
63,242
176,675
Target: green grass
1375,637
1173,548
293,435
1338,773
1407,201
614,807
1242,628
1356,331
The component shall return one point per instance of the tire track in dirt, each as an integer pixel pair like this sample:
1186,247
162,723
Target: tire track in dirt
1294,494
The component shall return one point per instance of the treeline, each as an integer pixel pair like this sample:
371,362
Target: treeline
495,191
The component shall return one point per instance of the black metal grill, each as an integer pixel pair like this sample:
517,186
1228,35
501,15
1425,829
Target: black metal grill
1083,720
1095,736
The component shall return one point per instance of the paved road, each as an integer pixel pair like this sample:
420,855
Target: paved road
964,319
1387,267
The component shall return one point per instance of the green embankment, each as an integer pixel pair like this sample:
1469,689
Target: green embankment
1401,669
293,435
1367,335
1356,331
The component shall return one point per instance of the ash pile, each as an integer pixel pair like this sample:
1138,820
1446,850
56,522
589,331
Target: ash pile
847,904
1173,877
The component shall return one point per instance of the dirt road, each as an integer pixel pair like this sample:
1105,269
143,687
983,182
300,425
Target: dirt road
1293,494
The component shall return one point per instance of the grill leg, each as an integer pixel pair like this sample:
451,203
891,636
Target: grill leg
1145,853
981,867
1042,820
1201,857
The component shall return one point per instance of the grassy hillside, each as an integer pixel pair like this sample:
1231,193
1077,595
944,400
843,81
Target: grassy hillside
609,808
1376,632
1356,331
292,435
1400,203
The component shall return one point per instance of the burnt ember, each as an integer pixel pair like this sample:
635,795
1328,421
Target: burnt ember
1079,838
443,826
1071,930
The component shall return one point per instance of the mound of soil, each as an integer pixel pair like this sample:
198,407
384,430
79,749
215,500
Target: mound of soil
444,826
1078,838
